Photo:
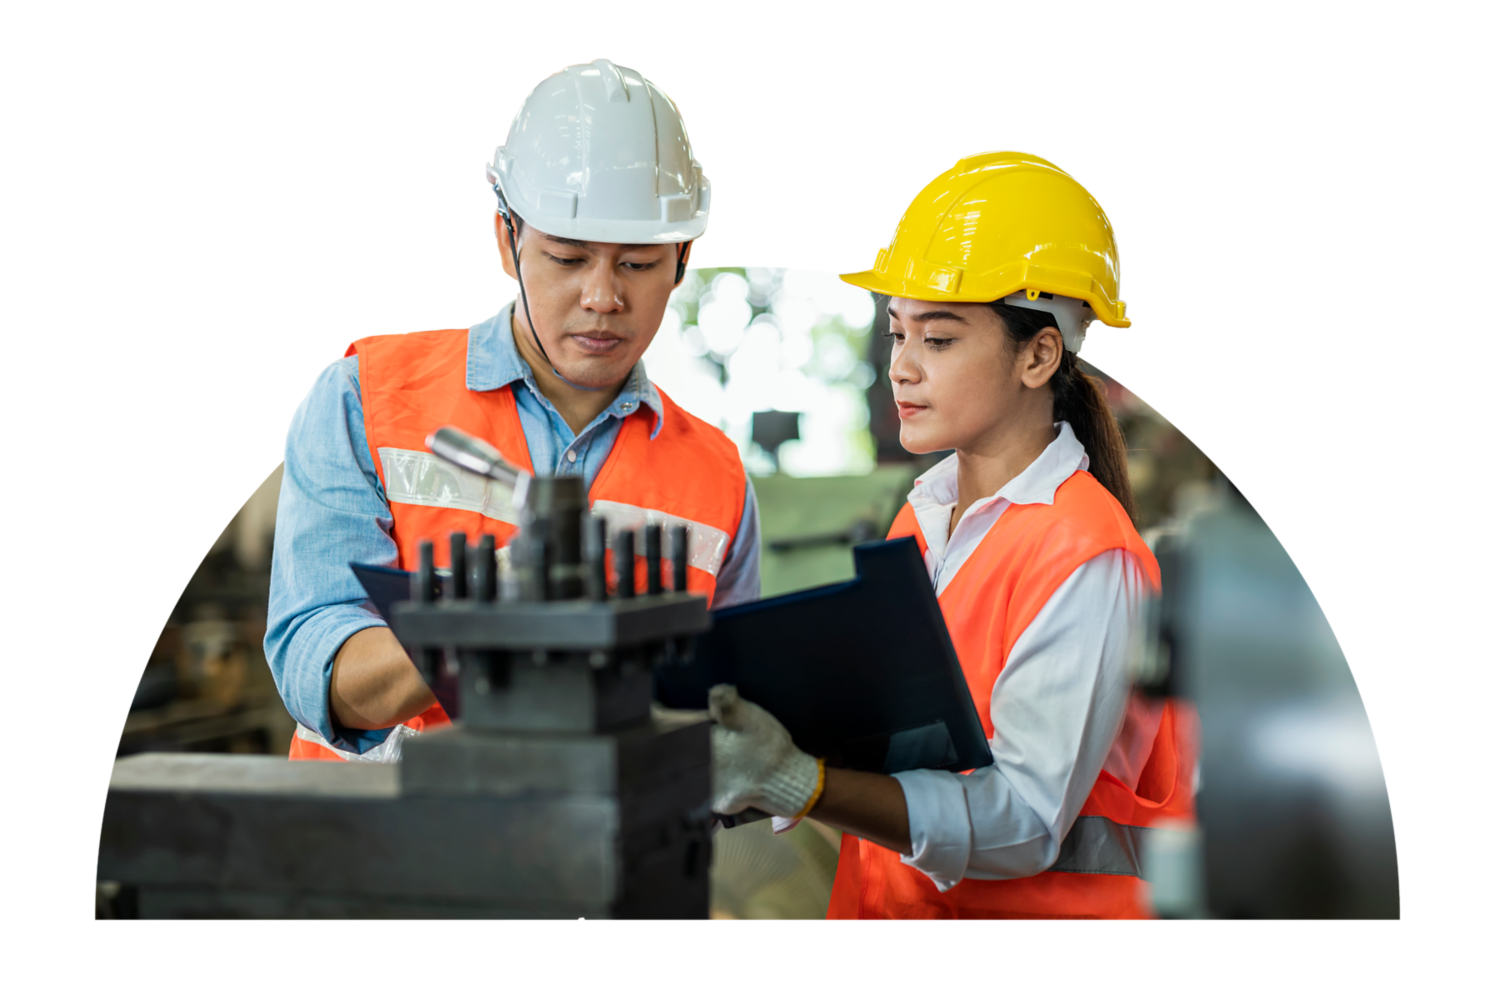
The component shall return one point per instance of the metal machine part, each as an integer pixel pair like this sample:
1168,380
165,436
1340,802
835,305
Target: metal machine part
770,429
556,795
481,458
1293,818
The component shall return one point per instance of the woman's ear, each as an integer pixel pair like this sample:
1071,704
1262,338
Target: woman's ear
1040,357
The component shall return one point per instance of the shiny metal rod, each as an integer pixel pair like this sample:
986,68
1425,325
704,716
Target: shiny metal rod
478,456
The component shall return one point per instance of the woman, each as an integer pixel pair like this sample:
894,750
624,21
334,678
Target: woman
994,273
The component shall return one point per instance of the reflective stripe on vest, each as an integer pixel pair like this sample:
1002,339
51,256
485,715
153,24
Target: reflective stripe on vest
421,478
707,546
1097,845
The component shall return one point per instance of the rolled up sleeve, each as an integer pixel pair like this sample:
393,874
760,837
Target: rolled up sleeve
939,820
331,512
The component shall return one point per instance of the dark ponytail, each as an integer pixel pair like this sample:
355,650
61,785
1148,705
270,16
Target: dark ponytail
1079,399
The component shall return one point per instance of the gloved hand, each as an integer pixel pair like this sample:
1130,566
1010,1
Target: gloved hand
755,763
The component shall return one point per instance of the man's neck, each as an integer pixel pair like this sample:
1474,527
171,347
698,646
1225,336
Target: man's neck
578,406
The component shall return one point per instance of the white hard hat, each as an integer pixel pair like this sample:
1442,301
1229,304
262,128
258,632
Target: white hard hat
599,153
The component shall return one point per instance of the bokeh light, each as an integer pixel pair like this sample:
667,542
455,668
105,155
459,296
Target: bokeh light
741,340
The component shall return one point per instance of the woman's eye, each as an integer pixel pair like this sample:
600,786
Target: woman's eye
938,343
895,335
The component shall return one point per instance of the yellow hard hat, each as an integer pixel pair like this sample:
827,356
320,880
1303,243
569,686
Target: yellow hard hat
997,224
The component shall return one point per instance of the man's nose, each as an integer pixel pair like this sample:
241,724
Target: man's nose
601,291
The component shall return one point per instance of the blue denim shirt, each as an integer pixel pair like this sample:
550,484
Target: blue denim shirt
333,511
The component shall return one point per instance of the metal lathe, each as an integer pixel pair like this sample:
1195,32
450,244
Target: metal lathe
557,795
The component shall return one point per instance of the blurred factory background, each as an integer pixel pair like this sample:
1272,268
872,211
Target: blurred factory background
791,365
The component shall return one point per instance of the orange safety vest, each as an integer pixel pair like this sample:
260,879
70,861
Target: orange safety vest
411,384
1028,553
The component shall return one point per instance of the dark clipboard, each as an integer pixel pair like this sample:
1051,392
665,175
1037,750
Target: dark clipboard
862,673
386,585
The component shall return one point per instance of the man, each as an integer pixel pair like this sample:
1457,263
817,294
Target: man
599,202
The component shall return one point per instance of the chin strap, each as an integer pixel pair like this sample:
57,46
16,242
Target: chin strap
515,256
515,252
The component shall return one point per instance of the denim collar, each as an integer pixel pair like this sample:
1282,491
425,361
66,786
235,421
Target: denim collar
494,362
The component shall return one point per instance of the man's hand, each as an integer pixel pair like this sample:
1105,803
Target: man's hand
374,682
755,762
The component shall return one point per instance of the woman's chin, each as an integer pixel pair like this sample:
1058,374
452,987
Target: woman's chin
921,444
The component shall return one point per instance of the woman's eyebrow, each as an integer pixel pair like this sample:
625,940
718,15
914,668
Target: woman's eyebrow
929,316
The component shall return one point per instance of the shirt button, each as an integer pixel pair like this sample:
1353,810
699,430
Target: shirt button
572,455
627,407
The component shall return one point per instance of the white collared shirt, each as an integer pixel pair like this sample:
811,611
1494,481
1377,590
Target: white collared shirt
1059,707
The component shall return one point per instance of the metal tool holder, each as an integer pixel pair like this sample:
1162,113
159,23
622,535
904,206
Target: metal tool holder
555,795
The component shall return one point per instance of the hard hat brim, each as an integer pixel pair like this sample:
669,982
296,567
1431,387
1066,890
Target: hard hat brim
1110,313
619,230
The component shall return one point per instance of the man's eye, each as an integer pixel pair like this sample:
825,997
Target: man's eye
566,261
639,266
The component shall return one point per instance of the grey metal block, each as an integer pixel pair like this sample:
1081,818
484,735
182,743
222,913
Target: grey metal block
562,625
466,762
250,774
557,692
240,836
536,849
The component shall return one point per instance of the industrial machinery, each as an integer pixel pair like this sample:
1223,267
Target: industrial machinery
556,795
1293,818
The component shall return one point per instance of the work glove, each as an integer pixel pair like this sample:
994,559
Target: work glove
755,762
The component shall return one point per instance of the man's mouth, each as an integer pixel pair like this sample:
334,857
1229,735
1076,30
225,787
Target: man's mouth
597,341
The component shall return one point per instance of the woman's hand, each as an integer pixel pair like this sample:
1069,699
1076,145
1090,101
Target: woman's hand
755,762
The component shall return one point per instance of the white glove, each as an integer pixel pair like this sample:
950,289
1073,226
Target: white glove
755,763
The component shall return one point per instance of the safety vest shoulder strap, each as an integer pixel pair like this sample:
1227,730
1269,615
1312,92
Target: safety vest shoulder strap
409,381
1027,555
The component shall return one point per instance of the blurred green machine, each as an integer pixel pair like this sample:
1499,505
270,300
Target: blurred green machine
808,526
